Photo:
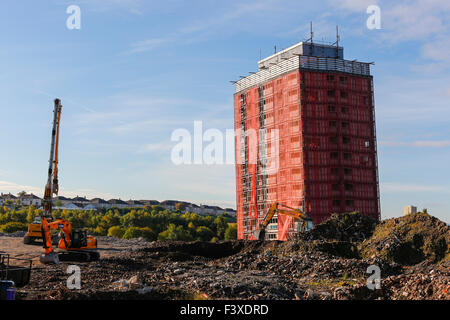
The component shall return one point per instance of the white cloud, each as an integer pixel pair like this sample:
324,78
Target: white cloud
437,50
149,44
15,188
390,187
132,6
155,147
196,30
426,21
420,144
353,5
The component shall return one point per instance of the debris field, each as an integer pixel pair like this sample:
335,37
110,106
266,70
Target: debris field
328,262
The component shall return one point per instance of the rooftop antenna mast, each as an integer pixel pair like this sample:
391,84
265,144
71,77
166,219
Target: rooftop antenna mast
311,31
337,41
338,38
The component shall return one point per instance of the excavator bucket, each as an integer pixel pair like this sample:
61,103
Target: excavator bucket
51,258
259,234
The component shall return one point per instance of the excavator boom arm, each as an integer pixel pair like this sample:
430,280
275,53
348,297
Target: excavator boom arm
51,187
297,214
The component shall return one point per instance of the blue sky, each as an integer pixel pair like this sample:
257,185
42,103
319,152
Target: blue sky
137,70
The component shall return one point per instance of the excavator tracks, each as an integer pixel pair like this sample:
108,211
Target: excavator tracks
79,256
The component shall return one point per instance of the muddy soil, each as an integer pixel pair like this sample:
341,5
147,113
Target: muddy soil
318,268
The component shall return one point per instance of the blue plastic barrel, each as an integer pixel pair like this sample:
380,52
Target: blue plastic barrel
11,294
7,290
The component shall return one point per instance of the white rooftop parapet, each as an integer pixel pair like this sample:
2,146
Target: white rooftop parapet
303,62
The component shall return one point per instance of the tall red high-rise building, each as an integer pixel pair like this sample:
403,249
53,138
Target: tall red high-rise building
306,138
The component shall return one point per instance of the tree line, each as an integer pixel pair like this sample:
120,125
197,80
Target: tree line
152,223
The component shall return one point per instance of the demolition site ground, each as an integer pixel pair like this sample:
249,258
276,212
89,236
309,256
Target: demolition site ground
328,262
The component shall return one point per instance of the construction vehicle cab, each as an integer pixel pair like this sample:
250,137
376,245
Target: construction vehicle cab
302,221
34,231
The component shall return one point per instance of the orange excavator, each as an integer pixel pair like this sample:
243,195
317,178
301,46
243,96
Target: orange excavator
76,244
305,223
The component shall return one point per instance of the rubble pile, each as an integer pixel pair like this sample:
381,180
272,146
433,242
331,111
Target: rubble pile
17,234
409,240
350,227
329,266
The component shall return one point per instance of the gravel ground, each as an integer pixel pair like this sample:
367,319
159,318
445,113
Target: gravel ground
298,269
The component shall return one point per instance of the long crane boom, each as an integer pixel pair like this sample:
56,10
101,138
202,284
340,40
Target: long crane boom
51,188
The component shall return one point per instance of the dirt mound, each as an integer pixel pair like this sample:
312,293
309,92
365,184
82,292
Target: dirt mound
351,227
408,240
344,249
210,250
328,262
153,294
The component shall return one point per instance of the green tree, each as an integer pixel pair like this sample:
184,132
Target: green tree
148,234
231,232
32,213
221,226
157,208
180,206
204,233
11,227
116,231
174,232
132,232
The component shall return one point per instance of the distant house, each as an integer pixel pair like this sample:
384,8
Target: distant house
69,206
230,211
90,206
117,203
192,207
169,204
7,197
30,199
62,200
409,210
150,203
80,201
100,203
135,204
211,210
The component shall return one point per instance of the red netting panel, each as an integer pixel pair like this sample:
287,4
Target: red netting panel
277,102
238,166
283,114
340,144
253,144
326,148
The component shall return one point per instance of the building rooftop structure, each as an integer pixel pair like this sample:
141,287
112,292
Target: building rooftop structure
98,201
305,56
29,196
